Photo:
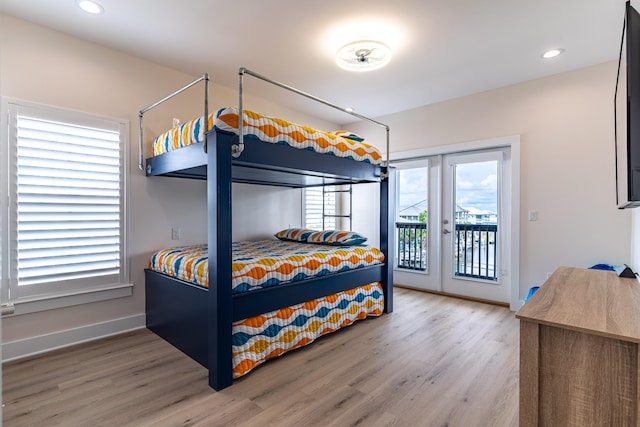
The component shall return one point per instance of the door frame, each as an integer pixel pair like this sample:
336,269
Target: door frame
513,142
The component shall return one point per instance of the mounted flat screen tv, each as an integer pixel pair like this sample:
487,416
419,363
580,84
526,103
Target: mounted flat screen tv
627,113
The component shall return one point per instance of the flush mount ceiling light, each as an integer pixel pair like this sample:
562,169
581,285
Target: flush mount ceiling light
552,53
363,55
90,6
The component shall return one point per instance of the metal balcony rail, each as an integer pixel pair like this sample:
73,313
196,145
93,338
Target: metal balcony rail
475,251
412,245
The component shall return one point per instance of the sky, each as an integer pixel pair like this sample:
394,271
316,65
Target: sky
413,184
476,186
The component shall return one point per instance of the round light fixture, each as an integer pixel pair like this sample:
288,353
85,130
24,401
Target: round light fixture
90,6
363,55
552,53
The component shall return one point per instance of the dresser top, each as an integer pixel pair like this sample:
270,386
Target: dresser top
594,301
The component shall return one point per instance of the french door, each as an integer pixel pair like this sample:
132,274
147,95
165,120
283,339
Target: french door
474,221
453,224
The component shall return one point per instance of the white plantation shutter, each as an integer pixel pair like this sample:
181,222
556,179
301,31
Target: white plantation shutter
316,207
66,203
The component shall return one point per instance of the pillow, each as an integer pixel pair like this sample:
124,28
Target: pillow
336,238
294,234
349,135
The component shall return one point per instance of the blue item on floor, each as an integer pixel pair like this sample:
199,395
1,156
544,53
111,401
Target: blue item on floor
608,267
532,291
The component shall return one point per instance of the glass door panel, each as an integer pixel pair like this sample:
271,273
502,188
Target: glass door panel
476,219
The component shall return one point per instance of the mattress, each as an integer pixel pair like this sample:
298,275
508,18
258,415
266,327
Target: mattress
268,129
259,338
265,263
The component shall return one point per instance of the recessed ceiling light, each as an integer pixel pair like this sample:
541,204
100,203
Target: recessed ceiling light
552,53
90,6
363,55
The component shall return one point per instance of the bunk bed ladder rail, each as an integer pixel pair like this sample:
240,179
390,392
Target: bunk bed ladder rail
237,149
205,78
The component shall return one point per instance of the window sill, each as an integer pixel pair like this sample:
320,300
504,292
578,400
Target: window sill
34,305
410,271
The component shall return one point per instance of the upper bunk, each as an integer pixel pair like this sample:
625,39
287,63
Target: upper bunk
292,156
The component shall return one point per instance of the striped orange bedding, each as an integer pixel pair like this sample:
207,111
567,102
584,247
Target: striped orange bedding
267,129
265,263
259,338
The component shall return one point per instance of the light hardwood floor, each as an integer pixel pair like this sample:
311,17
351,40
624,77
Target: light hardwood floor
435,361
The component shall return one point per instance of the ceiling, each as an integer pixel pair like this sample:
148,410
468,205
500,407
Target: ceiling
442,49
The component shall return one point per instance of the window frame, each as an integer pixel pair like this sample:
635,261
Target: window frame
322,195
58,295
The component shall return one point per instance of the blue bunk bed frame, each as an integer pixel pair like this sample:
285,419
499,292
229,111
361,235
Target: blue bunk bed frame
175,308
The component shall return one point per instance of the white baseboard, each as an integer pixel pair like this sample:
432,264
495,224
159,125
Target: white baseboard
19,349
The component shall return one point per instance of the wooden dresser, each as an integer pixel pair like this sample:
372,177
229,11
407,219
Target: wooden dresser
579,338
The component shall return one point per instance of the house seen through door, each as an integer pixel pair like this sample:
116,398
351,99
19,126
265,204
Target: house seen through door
452,224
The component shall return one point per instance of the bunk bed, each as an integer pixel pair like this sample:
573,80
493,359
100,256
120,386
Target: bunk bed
199,320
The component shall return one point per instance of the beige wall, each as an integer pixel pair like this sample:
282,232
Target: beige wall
567,162
43,66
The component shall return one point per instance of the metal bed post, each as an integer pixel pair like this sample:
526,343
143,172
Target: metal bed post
205,78
238,149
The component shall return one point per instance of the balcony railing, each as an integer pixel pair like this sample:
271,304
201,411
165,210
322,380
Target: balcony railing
412,245
475,251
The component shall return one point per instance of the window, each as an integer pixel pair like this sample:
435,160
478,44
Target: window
65,230
320,208
328,208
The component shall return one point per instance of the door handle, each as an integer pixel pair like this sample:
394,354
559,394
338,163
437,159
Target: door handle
7,309
445,231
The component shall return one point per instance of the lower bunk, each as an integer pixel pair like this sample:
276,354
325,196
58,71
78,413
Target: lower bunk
284,296
177,311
